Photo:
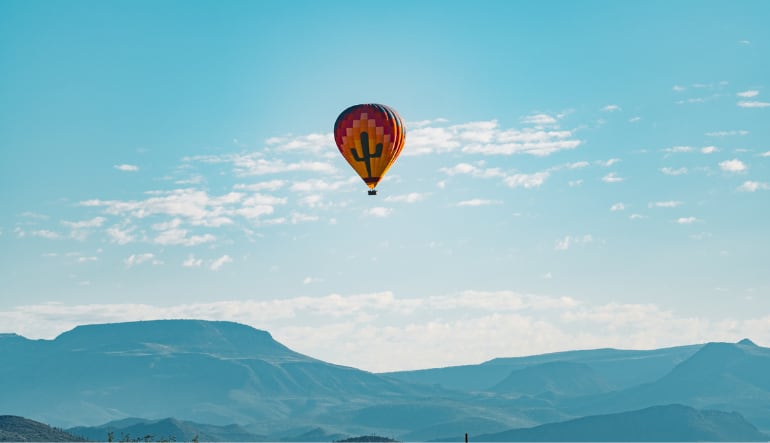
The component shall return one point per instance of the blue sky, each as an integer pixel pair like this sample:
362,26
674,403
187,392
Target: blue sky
575,174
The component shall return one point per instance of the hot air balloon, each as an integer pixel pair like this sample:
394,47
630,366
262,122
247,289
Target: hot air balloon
370,137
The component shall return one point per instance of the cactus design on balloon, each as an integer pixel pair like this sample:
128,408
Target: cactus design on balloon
367,156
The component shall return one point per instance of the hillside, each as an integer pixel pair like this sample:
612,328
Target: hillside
619,368
169,429
18,429
207,372
655,424
722,376
559,377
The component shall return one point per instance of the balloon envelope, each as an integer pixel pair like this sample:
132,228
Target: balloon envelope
370,137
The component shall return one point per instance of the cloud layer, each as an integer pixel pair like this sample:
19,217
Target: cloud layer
460,328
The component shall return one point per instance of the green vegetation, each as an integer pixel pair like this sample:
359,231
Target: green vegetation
14,428
367,439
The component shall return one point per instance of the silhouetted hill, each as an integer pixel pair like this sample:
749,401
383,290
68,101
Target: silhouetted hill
671,423
558,377
367,439
168,429
14,428
722,376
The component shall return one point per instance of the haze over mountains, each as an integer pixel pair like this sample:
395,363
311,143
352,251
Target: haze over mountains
222,373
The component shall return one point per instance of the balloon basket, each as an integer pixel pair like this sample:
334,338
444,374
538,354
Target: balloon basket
372,192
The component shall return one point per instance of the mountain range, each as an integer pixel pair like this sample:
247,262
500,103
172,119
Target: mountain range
232,376
654,424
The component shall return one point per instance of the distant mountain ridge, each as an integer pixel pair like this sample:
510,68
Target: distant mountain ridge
722,376
557,377
620,368
169,429
224,374
655,424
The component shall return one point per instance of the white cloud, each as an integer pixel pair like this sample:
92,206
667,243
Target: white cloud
126,168
424,123
85,224
568,241
221,261
298,217
701,236
753,104
708,149
636,216
727,133
665,204
526,181
195,207
137,259
634,119
428,140
672,171
192,262
412,197
678,88
611,108
744,42
253,164
270,185
617,207
748,94
117,234
612,177
573,183
607,163
478,202
378,211
34,215
695,100
686,220
753,186
486,137
87,259
317,185
534,142
312,201
733,165
475,171
539,119
44,233
679,149
765,154
577,165
309,143
178,236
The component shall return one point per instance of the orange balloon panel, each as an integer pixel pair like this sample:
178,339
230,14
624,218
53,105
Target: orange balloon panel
370,137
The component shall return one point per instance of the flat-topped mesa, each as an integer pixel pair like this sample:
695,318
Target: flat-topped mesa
221,338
